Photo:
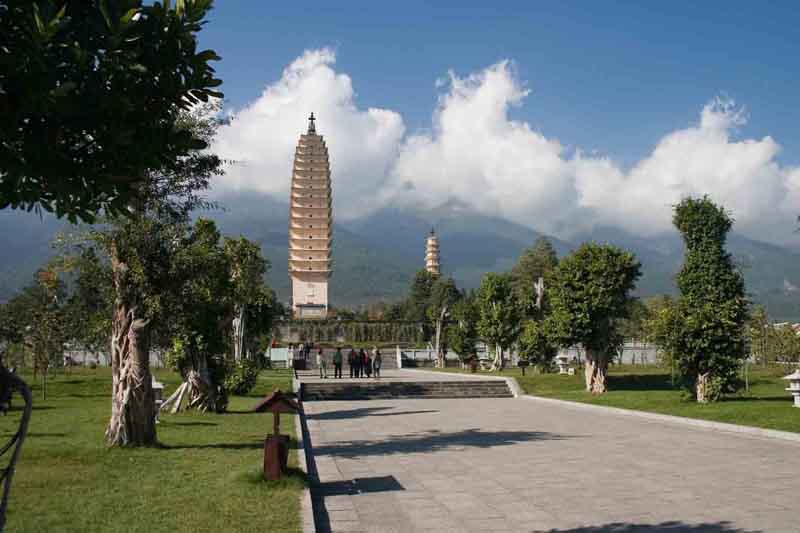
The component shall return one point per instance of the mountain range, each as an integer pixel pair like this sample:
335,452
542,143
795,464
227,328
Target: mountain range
375,256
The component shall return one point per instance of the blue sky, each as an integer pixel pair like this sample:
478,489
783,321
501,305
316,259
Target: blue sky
607,76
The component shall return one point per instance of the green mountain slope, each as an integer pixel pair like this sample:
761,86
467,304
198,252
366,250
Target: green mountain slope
376,256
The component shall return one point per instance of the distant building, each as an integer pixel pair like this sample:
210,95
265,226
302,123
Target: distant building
310,221
432,264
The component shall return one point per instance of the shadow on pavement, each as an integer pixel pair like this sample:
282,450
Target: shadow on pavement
360,485
431,441
363,411
669,527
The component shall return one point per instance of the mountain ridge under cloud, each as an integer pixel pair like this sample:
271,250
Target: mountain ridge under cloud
375,256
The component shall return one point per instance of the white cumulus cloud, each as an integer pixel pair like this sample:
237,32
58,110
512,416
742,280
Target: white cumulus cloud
476,154
261,137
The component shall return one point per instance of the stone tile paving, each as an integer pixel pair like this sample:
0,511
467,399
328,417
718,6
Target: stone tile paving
516,465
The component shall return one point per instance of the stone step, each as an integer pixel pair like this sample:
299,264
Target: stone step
389,390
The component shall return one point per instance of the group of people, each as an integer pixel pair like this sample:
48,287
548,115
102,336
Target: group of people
361,363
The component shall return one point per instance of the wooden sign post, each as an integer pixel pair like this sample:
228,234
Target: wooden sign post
276,446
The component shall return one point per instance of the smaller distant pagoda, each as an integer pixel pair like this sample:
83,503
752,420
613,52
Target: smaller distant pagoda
432,254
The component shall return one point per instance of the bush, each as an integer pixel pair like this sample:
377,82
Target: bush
241,377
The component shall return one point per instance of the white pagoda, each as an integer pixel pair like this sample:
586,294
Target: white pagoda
310,220
432,254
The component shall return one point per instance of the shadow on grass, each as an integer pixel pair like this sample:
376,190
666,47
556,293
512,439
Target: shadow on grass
190,423
293,476
252,445
640,382
362,412
217,446
432,441
672,526
785,399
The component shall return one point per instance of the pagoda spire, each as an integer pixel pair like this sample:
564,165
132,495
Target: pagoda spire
432,254
312,130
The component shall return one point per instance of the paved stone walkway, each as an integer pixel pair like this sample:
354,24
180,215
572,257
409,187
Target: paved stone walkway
517,465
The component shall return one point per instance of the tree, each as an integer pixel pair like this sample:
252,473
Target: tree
536,262
500,314
536,345
711,344
444,294
758,333
588,297
43,321
198,303
462,332
91,93
633,326
419,296
97,115
247,269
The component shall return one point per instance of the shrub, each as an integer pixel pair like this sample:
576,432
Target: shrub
241,377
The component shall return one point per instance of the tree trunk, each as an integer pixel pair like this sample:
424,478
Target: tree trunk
440,356
701,387
133,414
238,333
596,371
498,362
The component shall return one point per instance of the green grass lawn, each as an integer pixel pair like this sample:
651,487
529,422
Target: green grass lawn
649,388
205,477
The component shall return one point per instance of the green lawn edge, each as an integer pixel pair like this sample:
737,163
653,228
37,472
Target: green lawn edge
649,388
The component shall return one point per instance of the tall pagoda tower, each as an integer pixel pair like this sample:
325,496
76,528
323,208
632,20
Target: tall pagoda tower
432,254
310,220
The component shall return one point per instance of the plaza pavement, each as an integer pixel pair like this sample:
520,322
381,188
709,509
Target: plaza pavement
518,465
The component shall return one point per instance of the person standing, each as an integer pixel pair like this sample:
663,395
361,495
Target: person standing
322,363
362,363
290,363
377,361
337,364
351,361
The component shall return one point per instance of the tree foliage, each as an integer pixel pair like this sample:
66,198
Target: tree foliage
536,262
91,95
588,297
710,345
500,313
537,345
462,332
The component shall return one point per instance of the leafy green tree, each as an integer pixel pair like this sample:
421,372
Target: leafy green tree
199,267
42,321
444,294
91,94
711,344
537,346
462,332
588,297
758,333
247,270
536,262
90,303
500,314
96,116
633,326
419,296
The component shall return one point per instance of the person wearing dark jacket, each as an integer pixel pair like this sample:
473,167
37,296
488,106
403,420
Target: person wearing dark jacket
337,363
351,361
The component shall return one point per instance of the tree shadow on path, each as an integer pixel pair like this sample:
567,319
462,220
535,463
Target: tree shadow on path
667,527
432,441
362,412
